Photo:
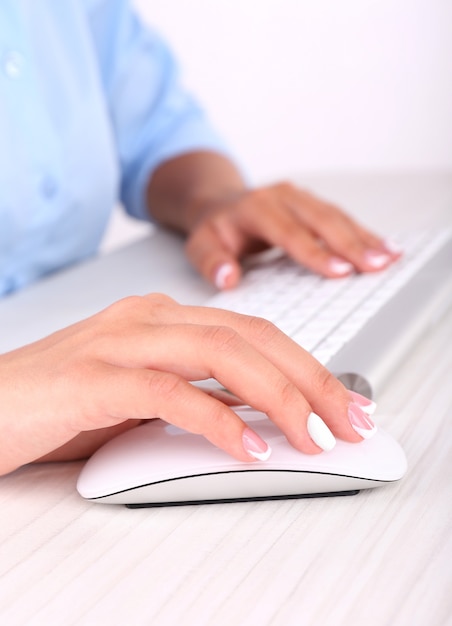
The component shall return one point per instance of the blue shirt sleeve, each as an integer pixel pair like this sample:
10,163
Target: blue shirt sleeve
153,117
90,105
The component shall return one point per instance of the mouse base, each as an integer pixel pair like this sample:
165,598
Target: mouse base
152,505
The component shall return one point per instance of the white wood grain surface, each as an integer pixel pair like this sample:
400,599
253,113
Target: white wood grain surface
382,557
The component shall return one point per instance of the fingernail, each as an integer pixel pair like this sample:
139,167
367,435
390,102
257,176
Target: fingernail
339,267
367,405
255,445
361,422
376,259
222,275
320,433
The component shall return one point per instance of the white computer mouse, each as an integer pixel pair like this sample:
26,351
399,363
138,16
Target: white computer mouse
157,464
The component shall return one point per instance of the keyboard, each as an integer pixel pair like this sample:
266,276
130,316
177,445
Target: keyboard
360,326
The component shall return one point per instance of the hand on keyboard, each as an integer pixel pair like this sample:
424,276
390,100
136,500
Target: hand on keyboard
314,233
355,325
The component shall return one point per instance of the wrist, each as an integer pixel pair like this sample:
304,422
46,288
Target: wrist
185,189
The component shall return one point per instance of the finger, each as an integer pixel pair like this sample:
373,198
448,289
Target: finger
146,394
263,215
321,391
341,235
253,222
215,253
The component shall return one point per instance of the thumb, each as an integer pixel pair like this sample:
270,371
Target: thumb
213,258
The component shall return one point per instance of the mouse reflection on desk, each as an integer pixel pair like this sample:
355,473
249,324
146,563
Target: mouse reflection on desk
157,464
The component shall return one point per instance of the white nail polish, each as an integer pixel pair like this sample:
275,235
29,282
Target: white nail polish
340,267
320,433
370,408
376,259
366,404
364,432
223,273
361,422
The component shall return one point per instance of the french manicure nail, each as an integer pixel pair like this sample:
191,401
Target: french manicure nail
255,445
376,259
361,422
339,267
367,405
320,433
222,275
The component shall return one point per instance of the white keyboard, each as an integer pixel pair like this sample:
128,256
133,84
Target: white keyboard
325,315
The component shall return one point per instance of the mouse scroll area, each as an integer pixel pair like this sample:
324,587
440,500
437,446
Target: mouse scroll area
157,464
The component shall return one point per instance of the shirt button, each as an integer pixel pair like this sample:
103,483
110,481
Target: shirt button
12,63
48,187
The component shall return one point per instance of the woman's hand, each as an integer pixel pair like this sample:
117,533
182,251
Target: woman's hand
204,195
65,395
314,233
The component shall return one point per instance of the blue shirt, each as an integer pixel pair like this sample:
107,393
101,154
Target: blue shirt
90,105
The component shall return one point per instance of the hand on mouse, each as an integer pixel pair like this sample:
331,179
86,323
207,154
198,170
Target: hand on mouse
204,195
68,393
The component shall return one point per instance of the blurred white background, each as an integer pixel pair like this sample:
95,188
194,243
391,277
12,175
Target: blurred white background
303,86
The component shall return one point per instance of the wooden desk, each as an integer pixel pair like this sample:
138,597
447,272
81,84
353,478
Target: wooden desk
383,557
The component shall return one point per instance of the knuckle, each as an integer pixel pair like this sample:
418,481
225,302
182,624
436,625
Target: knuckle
287,391
218,421
158,299
324,383
151,308
137,306
223,339
156,306
262,330
124,307
164,384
